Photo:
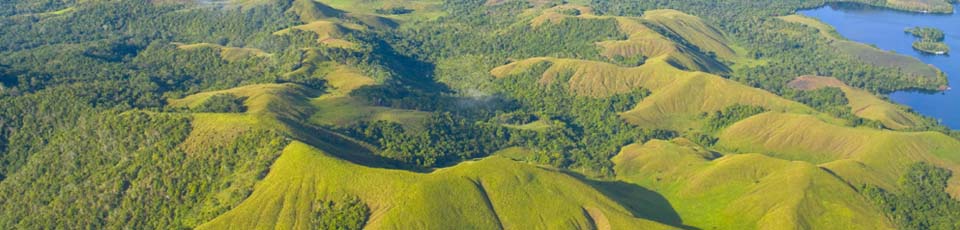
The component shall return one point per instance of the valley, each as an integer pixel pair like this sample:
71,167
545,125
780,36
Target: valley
431,114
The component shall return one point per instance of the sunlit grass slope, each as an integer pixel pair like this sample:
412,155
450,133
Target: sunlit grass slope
649,42
859,155
746,191
492,193
422,9
328,32
331,24
864,104
692,29
677,96
911,66
338,108
227,53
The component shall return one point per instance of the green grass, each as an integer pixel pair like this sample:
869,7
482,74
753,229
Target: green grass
677,97
644,40
746,191
538,125
858,155
486,194
871,55
863,104
227,53
422,9
694,30
344,111
330,33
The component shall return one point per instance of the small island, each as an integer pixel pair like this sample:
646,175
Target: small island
930,40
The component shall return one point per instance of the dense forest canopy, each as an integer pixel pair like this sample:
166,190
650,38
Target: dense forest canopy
139,114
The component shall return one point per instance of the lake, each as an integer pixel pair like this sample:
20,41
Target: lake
884,28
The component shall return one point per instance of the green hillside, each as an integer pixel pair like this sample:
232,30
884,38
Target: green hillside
755,192
461,114
677,97
862,103
859,155
488,194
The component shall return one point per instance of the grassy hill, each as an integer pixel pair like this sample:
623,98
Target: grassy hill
488,194
693,30
677,97
745,191
648,36
227,53
911,66
858,155
864,104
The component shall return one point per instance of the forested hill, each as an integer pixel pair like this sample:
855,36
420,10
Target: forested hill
451,114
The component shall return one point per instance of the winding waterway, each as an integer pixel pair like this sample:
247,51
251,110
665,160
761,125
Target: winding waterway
884,28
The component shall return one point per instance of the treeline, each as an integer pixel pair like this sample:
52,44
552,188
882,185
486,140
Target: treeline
922,203
472,28
109,169
833,101
589,130
76,153
445,139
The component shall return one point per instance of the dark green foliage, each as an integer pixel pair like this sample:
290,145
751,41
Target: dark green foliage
592,131
832,101
930,40
517,118
927,34
931,47
923,202
394,10
570,12
631,61
108,170
721,119
822,98
618,7
222,103
701,138
493,31
446,139
346,214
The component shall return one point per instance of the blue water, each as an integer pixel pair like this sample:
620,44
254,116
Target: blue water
884,29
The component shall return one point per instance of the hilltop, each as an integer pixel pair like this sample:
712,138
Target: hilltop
478,114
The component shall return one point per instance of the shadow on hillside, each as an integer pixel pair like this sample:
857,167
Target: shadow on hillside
346,148
641,202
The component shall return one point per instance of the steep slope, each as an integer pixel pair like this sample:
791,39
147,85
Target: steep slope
330,33
678,97
693,30
310,10
746,191
648,36
488,194
864,104
859,155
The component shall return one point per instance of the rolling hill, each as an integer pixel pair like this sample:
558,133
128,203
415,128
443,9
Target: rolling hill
745,191
677,97
858,155
492,193
648,36
411,114
863,103
911,66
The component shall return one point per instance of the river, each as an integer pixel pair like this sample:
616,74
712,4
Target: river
884,28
